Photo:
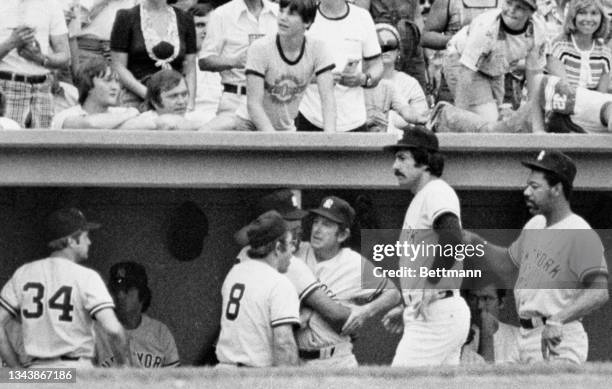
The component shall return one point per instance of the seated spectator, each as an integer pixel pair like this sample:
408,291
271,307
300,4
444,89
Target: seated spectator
6,123
490,339
209,86
166,101
494,44
579,55
150,37
98,97
151,342
398,98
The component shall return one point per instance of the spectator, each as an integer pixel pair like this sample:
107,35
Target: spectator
31,44
166,101
150,37
490,339
579,55
98,97
398,98
209,87
493,45
349,32
553,13
6,123
232,28
151,342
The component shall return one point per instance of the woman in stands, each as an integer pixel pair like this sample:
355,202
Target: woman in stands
579,55
150,37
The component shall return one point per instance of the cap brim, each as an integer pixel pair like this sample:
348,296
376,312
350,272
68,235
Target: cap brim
326,214
296,214
536,165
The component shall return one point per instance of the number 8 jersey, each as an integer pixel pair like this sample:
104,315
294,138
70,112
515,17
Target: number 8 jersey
56,300
256,298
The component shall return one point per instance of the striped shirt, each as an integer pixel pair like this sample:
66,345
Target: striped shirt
583,68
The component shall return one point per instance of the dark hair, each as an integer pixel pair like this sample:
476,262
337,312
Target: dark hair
160,82
307,9
97,66
432,159
553,179
62,243
201,9
263,251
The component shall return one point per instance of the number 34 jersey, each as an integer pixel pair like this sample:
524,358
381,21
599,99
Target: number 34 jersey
56,299
256,298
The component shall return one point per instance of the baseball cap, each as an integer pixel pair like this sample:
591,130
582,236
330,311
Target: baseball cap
417,137
266,228
556,162
531,3
337,210
124,275
65,222
282,201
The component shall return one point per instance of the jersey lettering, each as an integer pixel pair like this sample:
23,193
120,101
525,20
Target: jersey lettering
65,306
233,304
36,299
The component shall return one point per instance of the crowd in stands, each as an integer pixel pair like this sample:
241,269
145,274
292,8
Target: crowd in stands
306,65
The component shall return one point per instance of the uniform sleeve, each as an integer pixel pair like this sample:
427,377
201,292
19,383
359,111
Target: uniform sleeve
9,299
302,278
95,294
190,33
121,34
371,287
324,61
58,22
371,47
587,254
442,200
213,42
171,356
515,249
284,304
257,59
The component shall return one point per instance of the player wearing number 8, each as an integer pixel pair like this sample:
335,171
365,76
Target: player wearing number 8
260,305
56,300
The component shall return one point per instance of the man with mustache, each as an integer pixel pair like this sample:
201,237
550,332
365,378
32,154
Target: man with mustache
436,318
562,273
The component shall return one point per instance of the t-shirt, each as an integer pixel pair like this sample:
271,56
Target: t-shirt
410,91
58,120
583,68
349,37
151,345
56,300
126,37
553,261
285,81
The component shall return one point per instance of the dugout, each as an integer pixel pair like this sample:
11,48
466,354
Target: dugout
132,182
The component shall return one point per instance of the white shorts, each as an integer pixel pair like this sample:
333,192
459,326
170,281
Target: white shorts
438,340
574,346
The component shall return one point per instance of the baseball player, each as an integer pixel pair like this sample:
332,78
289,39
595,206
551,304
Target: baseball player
310,291
260,305
340,271
562,273
56,300
151,342
436,318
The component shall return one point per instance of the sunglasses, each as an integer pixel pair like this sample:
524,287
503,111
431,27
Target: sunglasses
389,47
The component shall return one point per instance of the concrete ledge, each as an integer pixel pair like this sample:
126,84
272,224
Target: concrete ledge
301,160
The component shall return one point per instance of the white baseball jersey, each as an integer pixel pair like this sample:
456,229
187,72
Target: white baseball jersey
56,299
151,346
256,298
298,273
342,280
553,264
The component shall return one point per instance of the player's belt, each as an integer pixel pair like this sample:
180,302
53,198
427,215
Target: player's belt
61,358
23,78
325,352
237,89
532,323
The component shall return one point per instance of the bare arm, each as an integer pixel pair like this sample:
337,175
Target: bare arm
604,82
119,61
435,24
255,86
218,63
60,56
284,348
374,67
537,107
100,120
555,67
334,313
116,334
359,314
189,67
6,349
449,232
325,83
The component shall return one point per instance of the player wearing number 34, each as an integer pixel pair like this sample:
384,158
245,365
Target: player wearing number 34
260,305
56,300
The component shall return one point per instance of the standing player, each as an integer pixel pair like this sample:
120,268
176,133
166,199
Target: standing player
340,271
151,342
56,300
556,250
260,306
436,318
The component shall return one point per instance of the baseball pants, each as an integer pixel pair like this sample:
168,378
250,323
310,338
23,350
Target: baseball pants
574,346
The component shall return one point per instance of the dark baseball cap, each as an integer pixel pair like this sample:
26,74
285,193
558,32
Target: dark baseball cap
337,210
65,222
267,228
556,162
282,201
415,137
531,4
124,275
